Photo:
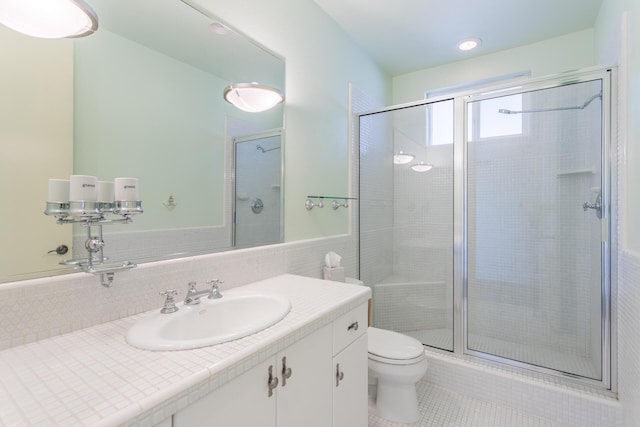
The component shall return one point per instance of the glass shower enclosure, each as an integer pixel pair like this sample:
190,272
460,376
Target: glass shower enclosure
485,221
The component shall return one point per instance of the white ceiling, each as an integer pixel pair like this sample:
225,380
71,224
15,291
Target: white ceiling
409,35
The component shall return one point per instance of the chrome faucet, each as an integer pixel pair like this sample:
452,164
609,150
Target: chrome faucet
194,295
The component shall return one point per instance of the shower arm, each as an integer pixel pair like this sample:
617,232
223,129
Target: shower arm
259,148
544,110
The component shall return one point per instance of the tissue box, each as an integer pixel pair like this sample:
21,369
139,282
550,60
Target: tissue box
334,273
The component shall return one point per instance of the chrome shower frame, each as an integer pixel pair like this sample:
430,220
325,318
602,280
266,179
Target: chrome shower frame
609,240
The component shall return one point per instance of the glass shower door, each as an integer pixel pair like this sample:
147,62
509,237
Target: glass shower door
534,228
406,219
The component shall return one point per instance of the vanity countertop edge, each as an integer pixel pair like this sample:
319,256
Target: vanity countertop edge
92,377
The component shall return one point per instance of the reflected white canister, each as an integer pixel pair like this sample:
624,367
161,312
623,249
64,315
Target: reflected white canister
126,189
105,192
58,191
83,188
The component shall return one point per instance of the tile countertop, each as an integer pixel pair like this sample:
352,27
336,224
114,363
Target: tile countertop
93,377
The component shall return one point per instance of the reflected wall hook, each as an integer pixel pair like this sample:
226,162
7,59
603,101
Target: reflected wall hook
171,203
60,250
336,204
309,204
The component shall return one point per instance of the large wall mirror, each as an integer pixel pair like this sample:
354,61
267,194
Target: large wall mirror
142,97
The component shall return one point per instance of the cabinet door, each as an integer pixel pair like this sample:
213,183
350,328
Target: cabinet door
304,398
242,402
350,370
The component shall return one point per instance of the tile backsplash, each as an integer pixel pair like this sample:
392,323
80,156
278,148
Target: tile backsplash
37,309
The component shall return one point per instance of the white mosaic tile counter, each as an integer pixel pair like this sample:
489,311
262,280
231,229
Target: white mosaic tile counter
92,377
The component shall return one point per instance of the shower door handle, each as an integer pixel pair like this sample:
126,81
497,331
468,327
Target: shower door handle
597,206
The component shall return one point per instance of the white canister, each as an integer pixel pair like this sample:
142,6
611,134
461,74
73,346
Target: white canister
126,189
83,188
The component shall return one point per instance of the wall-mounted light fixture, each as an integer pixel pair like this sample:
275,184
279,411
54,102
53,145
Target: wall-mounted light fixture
421,167
402,158
253,97
49,19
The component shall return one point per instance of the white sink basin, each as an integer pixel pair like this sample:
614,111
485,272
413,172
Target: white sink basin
213,321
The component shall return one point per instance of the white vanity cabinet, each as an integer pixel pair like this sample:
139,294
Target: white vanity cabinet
300,392
350,367
321,382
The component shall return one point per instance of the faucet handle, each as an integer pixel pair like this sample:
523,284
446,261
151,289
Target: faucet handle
215,290
192,287
169,302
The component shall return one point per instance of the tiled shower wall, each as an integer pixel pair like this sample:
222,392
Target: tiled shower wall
375,177
629,336
37,309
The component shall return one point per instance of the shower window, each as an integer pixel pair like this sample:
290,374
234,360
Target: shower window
440,123
488,119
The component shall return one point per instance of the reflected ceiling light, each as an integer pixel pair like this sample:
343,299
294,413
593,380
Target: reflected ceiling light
218,28
51,19
402,158
468,44
253,97
421,167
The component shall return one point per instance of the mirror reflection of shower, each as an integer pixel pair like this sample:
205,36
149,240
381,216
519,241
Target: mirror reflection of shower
257,201
262,150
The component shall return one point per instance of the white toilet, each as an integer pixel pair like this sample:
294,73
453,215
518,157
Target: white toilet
396,362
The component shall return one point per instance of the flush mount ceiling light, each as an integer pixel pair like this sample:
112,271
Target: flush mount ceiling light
468,44
253,97
49,19
402,158
421,167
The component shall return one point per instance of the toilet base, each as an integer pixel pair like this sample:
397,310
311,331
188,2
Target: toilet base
397,402
396,397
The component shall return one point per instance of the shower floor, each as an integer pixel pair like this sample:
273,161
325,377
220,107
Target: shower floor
440,408
546,357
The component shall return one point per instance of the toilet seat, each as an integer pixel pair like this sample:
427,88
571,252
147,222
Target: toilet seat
394,348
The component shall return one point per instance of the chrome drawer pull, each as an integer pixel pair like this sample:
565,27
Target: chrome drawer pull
353,326
339,375
286,372
272,382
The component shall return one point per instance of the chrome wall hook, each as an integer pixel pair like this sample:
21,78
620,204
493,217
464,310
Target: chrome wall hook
309,204
336,204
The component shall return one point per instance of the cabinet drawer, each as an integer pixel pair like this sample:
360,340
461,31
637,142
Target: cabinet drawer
349,327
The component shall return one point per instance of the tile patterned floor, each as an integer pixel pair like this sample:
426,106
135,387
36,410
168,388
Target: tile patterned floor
442,408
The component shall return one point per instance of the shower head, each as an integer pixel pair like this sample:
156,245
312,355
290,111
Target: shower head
503,111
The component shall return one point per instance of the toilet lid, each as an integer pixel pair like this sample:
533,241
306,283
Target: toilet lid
392,345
